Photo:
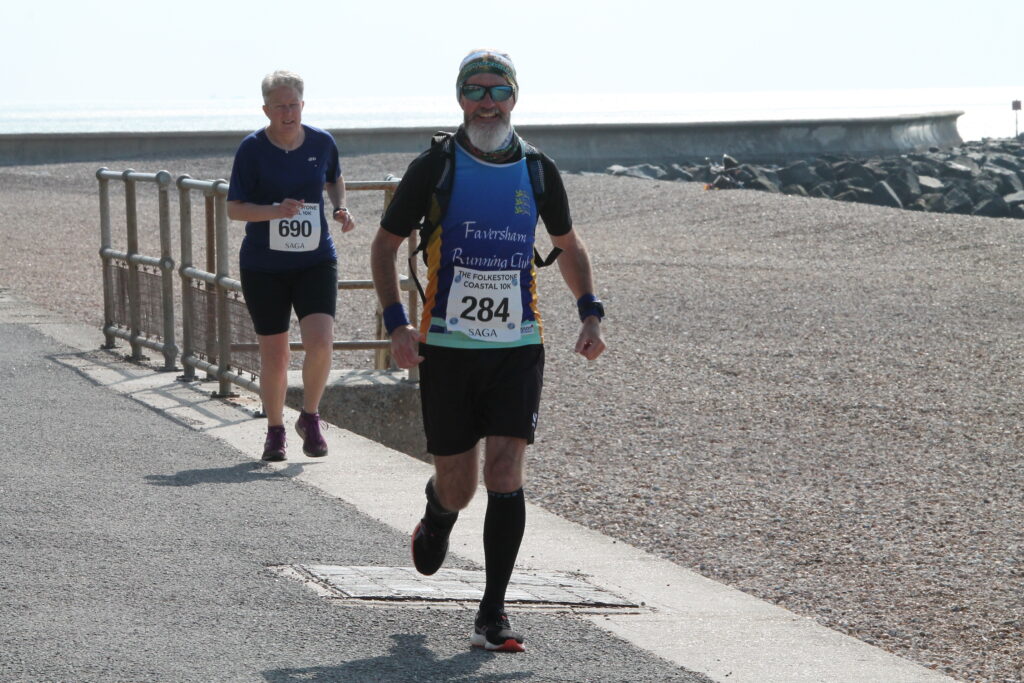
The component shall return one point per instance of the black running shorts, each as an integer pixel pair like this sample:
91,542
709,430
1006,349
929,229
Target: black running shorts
469,394
270,297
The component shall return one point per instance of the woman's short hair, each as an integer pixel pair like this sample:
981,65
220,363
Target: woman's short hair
281,78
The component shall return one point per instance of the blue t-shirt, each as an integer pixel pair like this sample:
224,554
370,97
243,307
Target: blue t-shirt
266,174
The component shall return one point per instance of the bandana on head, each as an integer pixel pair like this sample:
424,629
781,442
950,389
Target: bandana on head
487,62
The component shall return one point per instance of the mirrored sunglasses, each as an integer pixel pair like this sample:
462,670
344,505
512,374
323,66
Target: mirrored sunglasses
498,93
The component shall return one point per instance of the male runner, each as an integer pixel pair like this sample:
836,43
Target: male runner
479,343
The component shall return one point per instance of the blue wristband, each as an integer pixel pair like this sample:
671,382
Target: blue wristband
394,317
589,305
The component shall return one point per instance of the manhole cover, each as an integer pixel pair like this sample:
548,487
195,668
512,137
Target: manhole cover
541,588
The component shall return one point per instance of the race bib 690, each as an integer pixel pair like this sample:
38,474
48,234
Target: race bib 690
301,232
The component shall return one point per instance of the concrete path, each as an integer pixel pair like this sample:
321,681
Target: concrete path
141,539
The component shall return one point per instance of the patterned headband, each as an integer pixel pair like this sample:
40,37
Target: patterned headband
487,61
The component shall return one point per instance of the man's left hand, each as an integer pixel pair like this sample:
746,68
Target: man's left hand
590,344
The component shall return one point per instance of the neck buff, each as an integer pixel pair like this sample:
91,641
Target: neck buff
504,153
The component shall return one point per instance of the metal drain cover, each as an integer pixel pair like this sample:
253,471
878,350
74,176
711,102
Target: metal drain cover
542,588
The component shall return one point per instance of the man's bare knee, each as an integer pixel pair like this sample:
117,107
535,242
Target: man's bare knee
503,465
455,479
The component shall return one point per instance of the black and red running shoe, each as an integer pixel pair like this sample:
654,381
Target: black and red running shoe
493,632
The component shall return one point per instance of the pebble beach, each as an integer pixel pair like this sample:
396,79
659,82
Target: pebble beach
816,402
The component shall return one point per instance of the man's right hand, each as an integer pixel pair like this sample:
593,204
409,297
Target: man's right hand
405,346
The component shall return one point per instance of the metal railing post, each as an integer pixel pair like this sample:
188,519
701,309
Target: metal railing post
223,273
106,244
187,301
211,267
211,231
134,297
170,350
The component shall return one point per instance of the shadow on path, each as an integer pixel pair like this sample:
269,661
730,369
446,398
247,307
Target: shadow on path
185,402
409,660
242,473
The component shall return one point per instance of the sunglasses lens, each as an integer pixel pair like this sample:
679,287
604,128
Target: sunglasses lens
473,92
500,93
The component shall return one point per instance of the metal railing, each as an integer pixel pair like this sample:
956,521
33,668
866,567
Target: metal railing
128,267
217,336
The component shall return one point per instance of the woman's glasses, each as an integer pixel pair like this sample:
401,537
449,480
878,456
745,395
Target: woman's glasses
498,93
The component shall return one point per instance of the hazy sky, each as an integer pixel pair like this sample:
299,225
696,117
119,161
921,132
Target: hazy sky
187,50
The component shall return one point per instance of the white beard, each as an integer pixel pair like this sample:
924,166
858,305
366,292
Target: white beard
487,138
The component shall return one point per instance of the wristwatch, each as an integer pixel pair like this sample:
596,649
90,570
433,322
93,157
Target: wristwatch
589,305
340,208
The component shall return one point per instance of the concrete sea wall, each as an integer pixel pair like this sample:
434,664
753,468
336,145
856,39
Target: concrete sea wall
576,147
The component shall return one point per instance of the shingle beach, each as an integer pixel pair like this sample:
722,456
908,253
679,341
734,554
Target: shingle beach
816,402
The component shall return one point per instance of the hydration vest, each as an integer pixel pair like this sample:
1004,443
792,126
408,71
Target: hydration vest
442,153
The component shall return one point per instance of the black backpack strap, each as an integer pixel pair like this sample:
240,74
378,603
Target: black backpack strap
442,147
542,262
535,166
443,152
444,143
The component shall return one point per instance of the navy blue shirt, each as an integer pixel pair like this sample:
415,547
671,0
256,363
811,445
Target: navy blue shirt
266,174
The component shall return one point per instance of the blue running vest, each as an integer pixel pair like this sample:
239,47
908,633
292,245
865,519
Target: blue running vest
481,290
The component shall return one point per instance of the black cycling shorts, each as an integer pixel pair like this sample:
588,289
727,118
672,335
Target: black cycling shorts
469,394
270,297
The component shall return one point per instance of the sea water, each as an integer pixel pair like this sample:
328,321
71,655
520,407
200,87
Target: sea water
987,111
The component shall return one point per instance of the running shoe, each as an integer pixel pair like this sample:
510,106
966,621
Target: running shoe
493,632
273,447
429,546
313,443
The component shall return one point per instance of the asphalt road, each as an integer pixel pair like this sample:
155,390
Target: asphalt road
134,548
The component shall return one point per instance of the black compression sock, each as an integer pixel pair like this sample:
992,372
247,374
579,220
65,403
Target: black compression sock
438,515
504,523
